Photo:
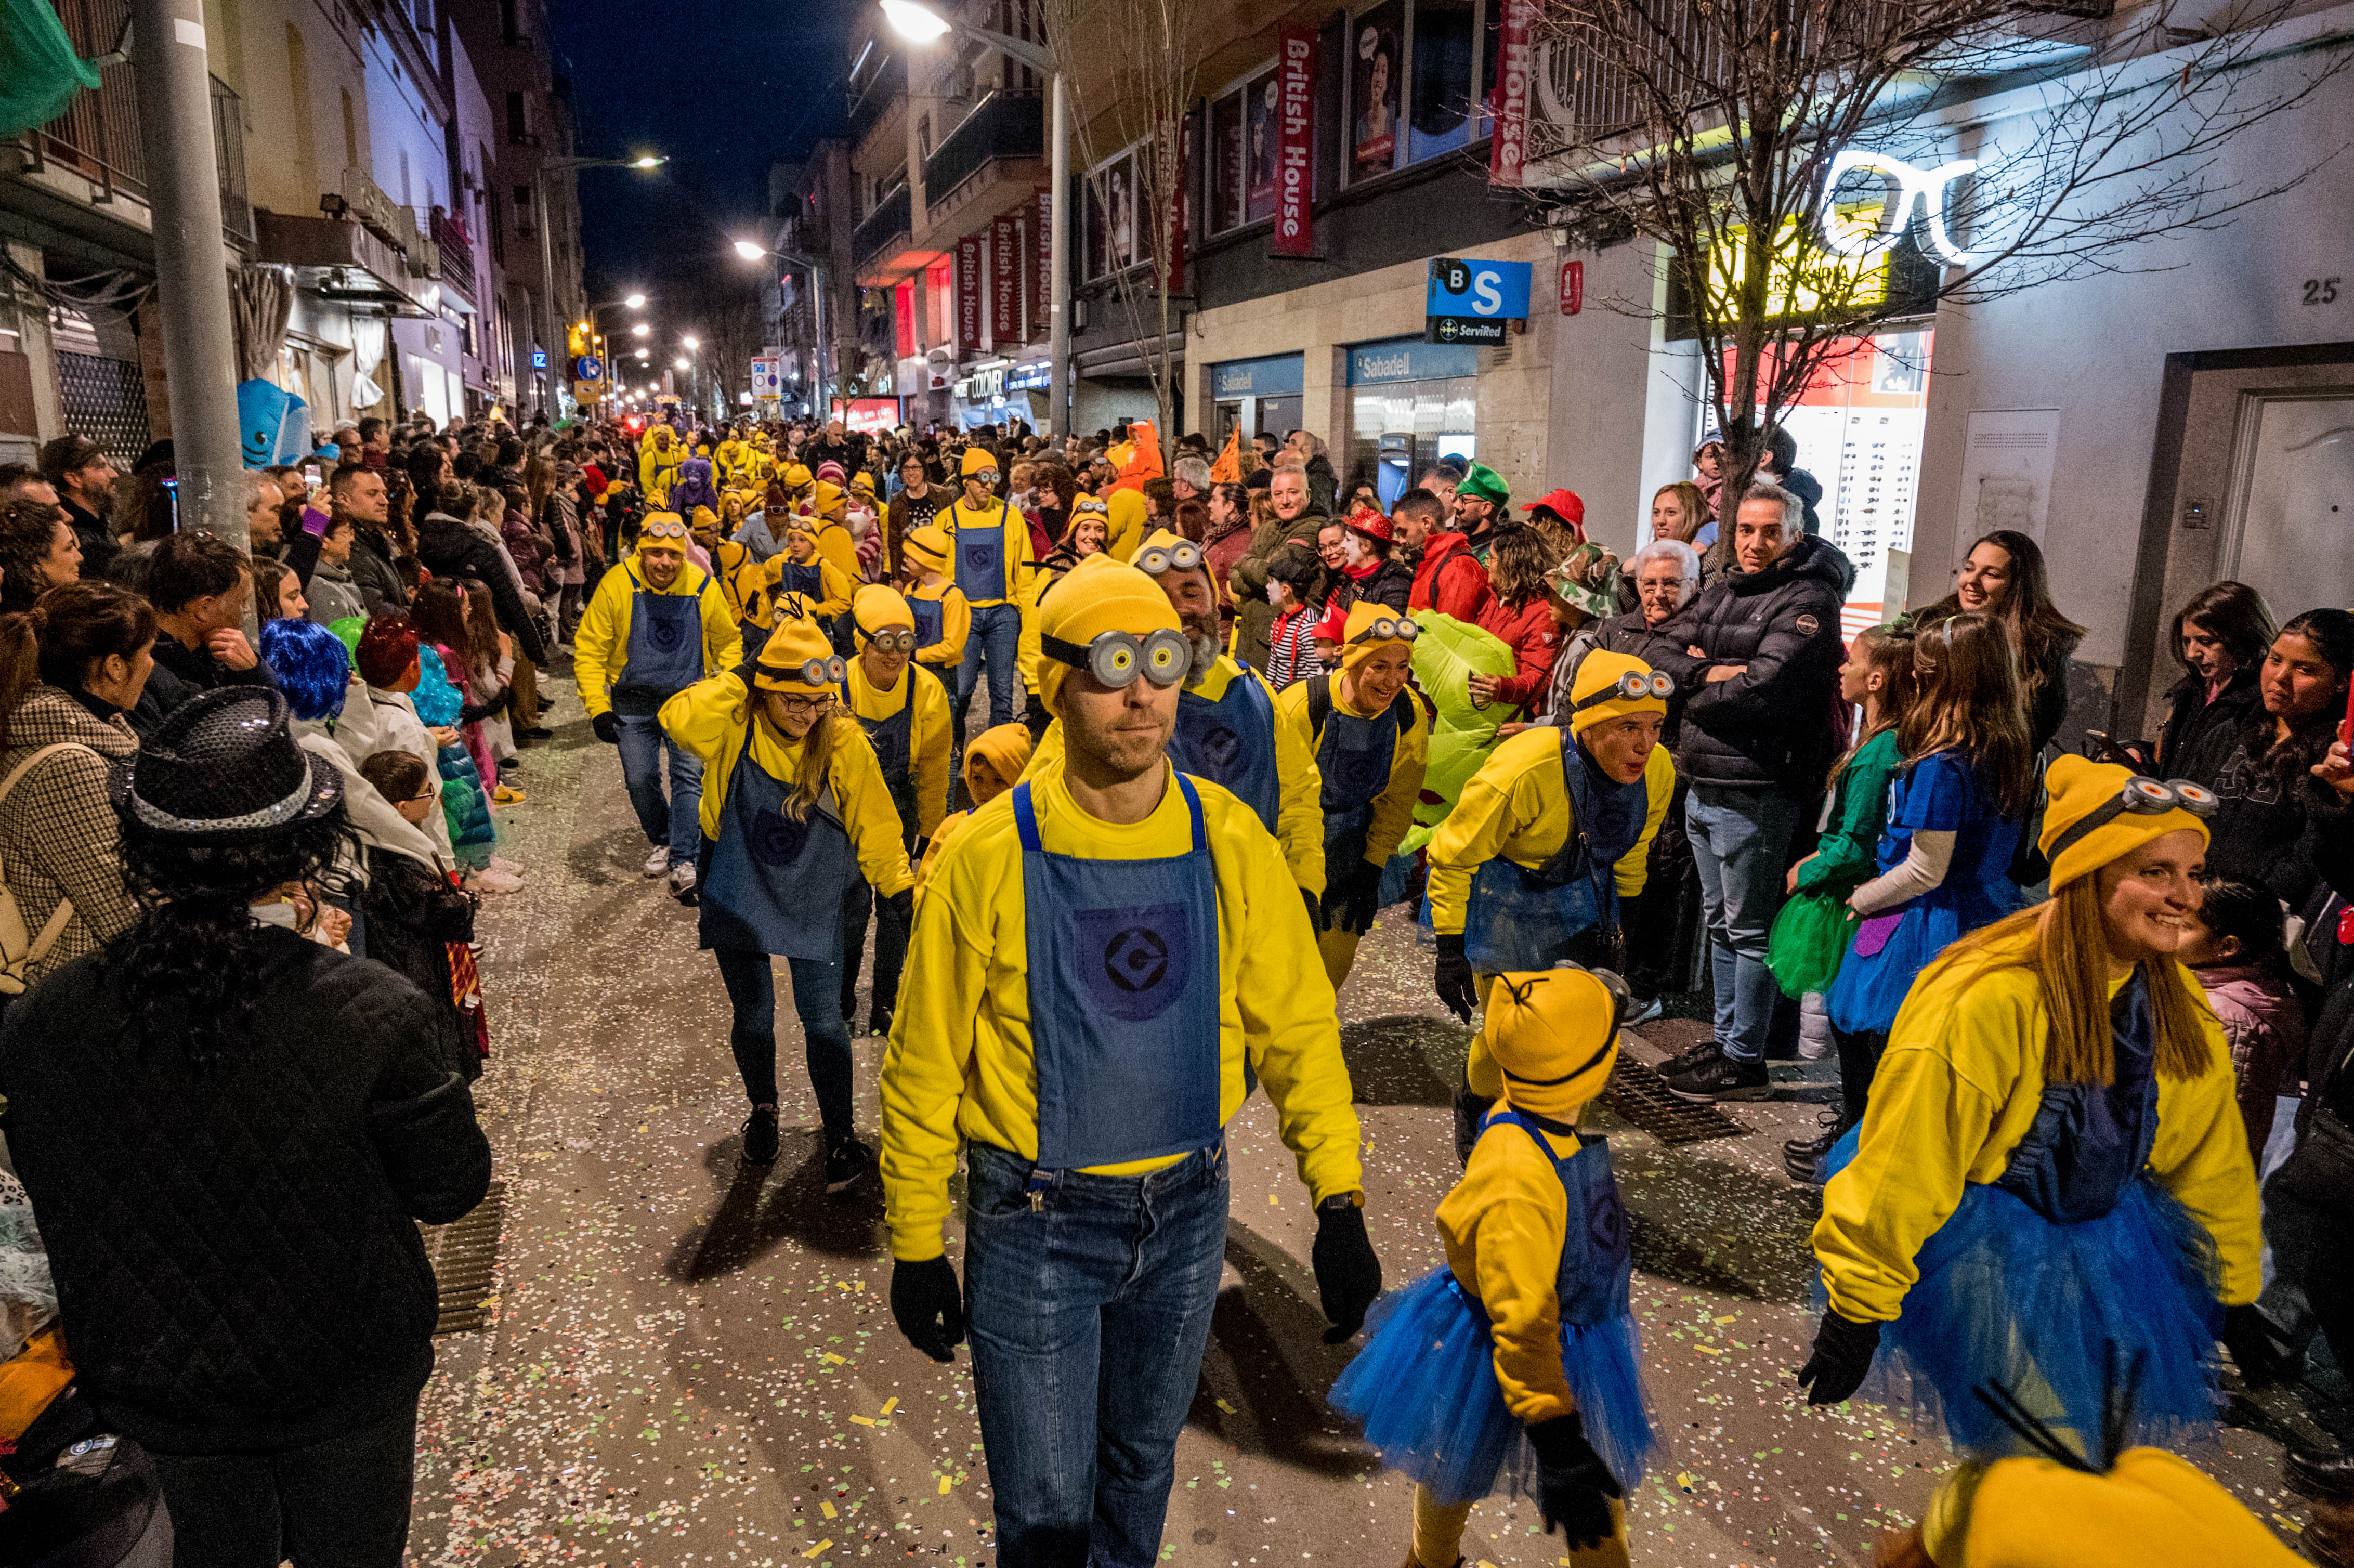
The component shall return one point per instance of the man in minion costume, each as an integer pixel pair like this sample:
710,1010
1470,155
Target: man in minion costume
1371,743
1111,956
1226,728
943,619
655,626
658,461
907,721
991,545
1520,1358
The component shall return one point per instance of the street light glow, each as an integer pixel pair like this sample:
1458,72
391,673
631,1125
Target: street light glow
635,301
641,330
679,364
919,23
692,343
750,251
647,162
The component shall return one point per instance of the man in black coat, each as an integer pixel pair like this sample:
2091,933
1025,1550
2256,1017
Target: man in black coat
454,551
83,477
201,588
1756,657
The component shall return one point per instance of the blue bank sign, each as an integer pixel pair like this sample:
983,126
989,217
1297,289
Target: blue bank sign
1470,301
1276,375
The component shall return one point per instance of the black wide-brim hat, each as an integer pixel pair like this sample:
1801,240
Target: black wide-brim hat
223,769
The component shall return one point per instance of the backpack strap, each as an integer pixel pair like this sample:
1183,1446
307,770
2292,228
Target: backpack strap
1319,707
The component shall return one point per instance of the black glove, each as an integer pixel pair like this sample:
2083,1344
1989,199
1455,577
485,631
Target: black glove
1350,900
2253,1350
1348,1273
1315,909
747,670
1471,1111
1842,1354
607,726
929,1306
1573,1485
1452,979
901,907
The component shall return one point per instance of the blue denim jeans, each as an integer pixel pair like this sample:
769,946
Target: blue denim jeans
1088,1316
750,980
1739,839
996,637
672,821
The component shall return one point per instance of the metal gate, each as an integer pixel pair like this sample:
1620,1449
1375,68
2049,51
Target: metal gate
106,401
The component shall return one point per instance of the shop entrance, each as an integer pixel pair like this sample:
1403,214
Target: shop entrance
1410,404
1255,397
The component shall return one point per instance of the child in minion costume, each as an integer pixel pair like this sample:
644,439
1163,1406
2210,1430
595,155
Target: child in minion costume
1370,742
994,760
905,718
1518,1362
943,619
829,527
801,571
795,812
2051,1187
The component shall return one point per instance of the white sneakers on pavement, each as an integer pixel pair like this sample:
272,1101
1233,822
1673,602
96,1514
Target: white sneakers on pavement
659,861
682,880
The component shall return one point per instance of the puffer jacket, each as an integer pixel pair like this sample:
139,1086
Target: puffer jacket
58,827
1774,725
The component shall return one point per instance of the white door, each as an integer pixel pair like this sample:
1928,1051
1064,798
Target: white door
2292,532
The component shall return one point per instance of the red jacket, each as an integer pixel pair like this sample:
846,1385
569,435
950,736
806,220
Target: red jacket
1450,579
1534,638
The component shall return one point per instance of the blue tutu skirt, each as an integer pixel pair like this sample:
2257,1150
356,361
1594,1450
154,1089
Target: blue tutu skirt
1871,987
1424,1389
2059,1315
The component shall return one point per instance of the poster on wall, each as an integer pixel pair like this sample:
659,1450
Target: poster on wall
1262,105
1179,214
2007,463
1121,239
1376,69
1294,173
968,296
1004,281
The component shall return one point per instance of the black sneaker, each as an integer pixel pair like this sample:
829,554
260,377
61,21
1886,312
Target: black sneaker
1723,1078
1692,1060
847,1164
760,1135
879,1020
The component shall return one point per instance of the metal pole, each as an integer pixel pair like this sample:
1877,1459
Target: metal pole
817,307
192,309
546,291
1058,286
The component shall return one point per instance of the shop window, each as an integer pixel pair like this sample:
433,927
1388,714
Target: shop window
1442,117
1242,154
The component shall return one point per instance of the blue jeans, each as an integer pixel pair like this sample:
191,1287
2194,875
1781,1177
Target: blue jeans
1088,1316
1739,840
672,821
996,637
751,984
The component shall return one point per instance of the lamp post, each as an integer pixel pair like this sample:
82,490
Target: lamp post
547,247
693,347
751,250
920,24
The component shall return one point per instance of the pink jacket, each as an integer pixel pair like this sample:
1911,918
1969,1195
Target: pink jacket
2265,1027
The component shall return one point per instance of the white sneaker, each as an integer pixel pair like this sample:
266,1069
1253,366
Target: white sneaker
658,861
500,862
493,881
682,879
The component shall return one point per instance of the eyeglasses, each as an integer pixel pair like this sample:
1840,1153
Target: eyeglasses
1633,686
1389,628
1181,556
817,704
1118,658
890,642
2141,797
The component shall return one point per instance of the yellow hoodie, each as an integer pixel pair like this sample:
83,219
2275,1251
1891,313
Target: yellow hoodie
600,648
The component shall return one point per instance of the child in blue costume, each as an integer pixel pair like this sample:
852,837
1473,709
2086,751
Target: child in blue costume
1955,810
2051,1189
1518,1362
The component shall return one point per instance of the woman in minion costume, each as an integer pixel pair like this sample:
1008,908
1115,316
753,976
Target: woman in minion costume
907,721
1518,1362
2051,1189
1370,742
991,564
795,810
943,619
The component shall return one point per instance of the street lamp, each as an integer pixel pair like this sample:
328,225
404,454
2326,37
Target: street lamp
642,161
752,251
641,330
920,24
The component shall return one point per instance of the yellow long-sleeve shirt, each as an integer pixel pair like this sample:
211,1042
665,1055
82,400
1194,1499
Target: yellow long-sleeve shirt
837,586
1013,528
1409,757
600,648
1518,806
1504,1225
960,1061
708,719
841,552
930,737
955,624
1957,1089
1131,523
1027,650
657,471
1300,788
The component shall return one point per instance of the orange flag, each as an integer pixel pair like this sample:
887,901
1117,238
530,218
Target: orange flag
1228,468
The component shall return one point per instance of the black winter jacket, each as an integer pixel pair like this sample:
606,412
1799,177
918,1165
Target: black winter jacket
180,672
2199,735
1774,725
235,1259
448,548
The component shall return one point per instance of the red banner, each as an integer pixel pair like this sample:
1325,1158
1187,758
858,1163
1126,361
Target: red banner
1041,251
1177,205
1004,281
968,296
1295,178
1508,154
903,313
1573,287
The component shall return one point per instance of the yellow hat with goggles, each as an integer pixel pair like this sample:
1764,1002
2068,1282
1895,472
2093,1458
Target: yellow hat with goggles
978,460
1110,619
928,546
875,607
1372,626
1615,685
1555,1034
797,658
662,531
2101,811
1167,551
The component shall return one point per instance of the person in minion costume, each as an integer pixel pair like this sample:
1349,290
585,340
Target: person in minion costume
655,626
1126,520
1547,837
796,812
2051,1187
1518,1361
802,572
992,762
989,542
943,619
732,458
659,457
1370,742
1109,959
800,486
1226,728
829,525
907,721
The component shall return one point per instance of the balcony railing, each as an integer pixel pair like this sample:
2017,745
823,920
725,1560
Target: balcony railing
888,223
457,253
1002,125
97,135
884,87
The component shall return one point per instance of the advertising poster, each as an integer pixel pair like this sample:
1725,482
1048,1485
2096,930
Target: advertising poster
1376,69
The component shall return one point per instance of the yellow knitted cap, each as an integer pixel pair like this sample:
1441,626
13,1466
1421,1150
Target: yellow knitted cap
2078,788
1603,671
1555,1034
829,496
876,607
978,460
787,653
1097,596
797,476
1362,616
928,546
1006,748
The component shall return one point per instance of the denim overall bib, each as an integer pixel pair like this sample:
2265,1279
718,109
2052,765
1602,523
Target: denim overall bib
980,558
1525,919
1231,742
770,883
665,650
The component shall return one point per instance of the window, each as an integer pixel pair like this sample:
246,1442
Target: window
1118,233
518,117
351,132
1242,135
1412,69
1442,115
509,22
523,211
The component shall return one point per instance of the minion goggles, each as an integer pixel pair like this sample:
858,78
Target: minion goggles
1630,687
823,672
1118,658
2141,797
1183,557
667,528
1389,628
901,641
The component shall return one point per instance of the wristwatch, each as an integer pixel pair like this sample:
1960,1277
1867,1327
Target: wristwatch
1339,1201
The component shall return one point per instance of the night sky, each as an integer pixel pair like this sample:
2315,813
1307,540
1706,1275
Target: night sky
725,87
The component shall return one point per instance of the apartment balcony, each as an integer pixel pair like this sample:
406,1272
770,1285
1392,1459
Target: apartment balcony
457,247
1003,130
879,245
870,104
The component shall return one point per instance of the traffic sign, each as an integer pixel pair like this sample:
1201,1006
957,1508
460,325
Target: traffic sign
588,367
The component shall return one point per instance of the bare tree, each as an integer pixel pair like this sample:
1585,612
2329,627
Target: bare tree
731,337
1812,169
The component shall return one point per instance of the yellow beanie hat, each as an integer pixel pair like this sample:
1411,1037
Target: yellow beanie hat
1554,1034
829,496
1091,507
977,460
1099,595
1597,697
878,608
789,651
703,517
797,476
1006,748
2151,1507
1362,616
928,546
2084,796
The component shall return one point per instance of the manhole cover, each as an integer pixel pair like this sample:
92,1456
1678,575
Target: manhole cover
1637,1092
465,1257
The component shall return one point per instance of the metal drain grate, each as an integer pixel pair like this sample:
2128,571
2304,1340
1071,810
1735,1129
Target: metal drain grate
1637,1092
466,1255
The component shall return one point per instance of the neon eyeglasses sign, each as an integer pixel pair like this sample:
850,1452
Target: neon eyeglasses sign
1927,187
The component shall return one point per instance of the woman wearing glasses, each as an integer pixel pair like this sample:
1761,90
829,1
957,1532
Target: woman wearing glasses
2050,1195
795,810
